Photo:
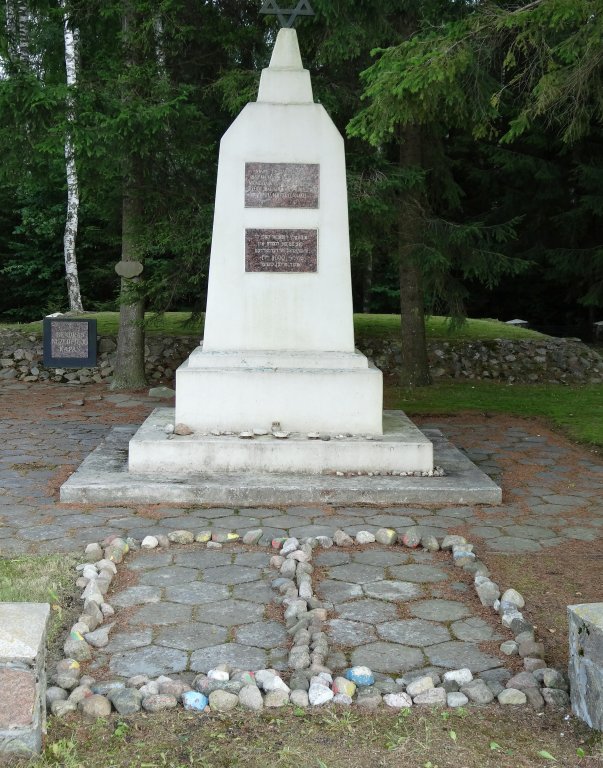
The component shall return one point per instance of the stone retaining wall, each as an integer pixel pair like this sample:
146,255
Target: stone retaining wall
544,360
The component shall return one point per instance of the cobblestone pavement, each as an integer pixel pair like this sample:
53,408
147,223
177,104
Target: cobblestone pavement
187,609
182,611
553,490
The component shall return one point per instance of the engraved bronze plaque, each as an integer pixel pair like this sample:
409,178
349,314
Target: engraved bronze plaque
282,185
69,343
281,250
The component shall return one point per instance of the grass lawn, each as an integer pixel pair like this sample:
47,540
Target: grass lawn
326,738
576,410
366,326
43,579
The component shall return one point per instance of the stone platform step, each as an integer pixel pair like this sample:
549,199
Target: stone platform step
103,477
401,448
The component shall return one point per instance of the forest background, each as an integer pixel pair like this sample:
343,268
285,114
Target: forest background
473,138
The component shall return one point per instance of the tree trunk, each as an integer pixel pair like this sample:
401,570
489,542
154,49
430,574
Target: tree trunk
73,193
129,370
414,368
367,284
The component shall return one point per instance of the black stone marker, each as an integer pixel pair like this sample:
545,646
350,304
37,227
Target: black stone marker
69,343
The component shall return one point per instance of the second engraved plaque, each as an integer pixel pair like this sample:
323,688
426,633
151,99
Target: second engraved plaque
281,250
282,185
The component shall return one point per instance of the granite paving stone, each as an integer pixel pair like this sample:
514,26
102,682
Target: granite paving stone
356,573
138,595
229,613
332,557
197,593
415,632
152,661
150,561
380,557
439,610
191,636
338,591
350,633
475,630
306,531
262,634
235,654
368,610
126,641
391,590
202,558
168,576
391,521
420,574
580,533
231,574
513,545
254,591
390,658
162,613
458,654
485,531
528,531
252,559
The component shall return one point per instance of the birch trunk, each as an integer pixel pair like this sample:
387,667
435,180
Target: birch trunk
73,193
17,32
22,21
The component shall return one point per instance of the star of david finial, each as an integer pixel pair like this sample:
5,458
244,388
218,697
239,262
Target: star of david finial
287,16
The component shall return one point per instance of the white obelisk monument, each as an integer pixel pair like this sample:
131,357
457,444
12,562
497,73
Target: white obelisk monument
278,353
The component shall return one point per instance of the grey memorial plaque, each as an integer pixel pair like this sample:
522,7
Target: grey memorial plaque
69,343
282,185
281,250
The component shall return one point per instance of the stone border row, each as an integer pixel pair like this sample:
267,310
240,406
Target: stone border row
311,682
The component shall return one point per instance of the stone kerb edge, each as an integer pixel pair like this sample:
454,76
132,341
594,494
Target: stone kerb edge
23,677
311,681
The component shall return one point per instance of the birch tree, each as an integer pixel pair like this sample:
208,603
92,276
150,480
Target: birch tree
17,29
70,36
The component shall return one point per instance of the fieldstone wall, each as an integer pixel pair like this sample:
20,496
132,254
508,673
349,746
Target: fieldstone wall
549,360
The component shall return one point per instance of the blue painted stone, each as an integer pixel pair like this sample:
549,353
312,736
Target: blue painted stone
195,701
360,675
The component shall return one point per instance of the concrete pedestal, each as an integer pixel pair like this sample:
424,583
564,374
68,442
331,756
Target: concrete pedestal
401,448
302,392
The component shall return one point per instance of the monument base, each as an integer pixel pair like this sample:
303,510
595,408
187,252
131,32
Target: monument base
103,478
401,448
304,392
